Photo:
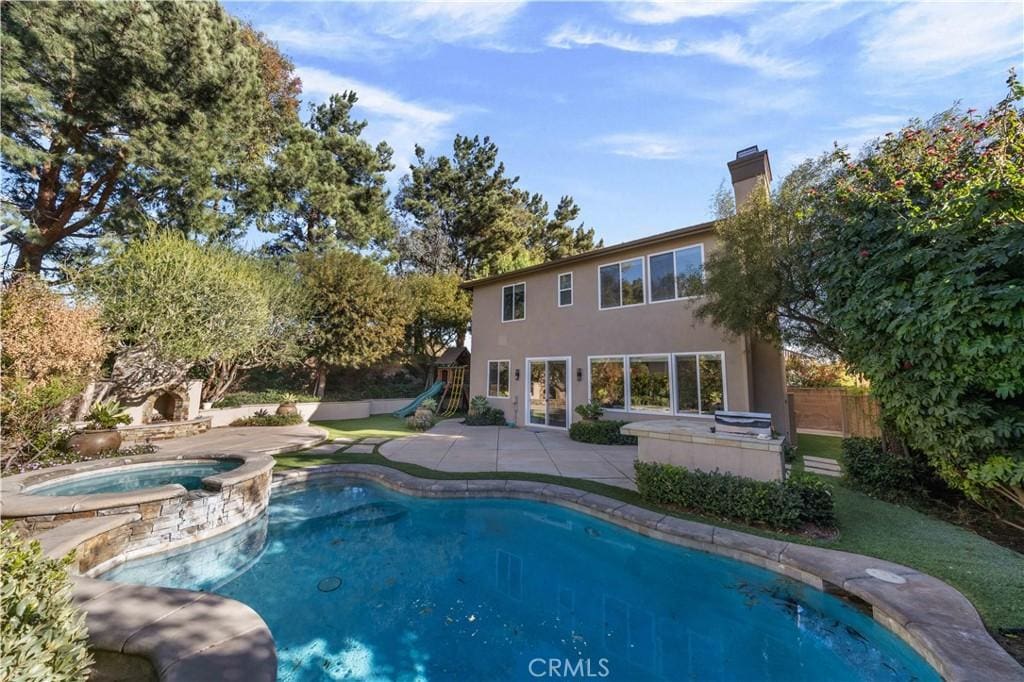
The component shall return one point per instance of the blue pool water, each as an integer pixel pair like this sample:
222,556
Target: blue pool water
358,582
189,475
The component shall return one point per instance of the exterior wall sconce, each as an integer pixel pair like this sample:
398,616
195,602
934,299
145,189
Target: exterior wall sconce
517,374
579,374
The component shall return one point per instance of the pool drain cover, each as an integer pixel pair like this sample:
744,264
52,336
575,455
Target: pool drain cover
329,584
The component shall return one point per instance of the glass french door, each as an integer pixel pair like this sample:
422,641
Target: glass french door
548,393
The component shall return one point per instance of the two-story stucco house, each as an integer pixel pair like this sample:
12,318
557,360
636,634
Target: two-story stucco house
614,325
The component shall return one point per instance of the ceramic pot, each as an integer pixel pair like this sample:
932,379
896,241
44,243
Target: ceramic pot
89,444
287,408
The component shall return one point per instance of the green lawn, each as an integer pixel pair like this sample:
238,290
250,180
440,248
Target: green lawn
379,426
819,446
990,575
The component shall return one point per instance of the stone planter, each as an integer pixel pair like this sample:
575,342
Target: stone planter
287,408
89,444
424,413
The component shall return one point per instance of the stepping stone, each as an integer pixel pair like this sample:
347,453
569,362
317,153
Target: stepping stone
360,449
344,439
374,441
325,449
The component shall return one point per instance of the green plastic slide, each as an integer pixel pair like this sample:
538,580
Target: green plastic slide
411,407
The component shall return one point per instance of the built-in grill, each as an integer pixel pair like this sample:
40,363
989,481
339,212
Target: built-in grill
747,423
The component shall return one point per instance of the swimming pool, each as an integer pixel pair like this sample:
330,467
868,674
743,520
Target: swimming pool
124,479
359,582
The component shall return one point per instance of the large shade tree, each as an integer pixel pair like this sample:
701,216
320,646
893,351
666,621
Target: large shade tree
324,185
115,111
465,215
358,315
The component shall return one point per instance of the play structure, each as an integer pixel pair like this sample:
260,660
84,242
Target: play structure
451,370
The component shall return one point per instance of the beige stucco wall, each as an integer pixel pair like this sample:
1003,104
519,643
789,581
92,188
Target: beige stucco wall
583,330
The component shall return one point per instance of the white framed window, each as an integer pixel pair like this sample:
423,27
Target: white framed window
608,381
513,302
565,290
670,273
659,383
700,383
497,378
621,284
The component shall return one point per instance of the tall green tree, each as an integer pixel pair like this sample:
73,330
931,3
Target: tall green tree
118,112
441,312
325,185
358,315
467,216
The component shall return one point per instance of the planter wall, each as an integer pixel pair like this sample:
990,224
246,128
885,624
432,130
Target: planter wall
323,411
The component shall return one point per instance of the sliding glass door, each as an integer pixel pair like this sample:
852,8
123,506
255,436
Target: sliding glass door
548,392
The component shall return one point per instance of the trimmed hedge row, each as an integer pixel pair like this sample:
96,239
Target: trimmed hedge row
600,432
799,500
269,420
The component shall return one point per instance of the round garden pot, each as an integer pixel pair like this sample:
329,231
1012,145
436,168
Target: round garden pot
89,444
287,408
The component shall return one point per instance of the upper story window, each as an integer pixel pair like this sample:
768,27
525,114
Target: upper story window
672,272
513,302
565,289
622,284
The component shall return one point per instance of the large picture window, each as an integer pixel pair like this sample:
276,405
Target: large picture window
700,383
650,384
497,378
513,302
673,274
622,284
608,382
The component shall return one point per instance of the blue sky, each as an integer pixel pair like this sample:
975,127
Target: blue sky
635,108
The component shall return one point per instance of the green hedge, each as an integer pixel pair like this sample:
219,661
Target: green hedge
269,396
886,475
788,505
487,416
44,636
600,433
261,418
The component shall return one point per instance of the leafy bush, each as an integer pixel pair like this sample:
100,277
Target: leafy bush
590,411
601,433
478,404
44,637
429,404
107,415
893,476
488,416
776,504
264,418
267,397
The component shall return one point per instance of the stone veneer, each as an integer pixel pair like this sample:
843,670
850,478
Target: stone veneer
142,433
161,518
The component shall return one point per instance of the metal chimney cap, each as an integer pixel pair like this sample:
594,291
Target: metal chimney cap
747,151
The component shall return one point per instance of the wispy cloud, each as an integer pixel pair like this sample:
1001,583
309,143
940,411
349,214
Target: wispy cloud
640,145
402,122
734,50
926,40
671,11
730,49
569,37
446,22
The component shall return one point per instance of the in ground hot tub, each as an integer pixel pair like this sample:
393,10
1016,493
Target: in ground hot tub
189,475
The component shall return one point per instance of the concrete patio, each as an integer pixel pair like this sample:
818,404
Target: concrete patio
452,446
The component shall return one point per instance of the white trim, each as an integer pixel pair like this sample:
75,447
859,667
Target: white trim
725,383
502,302
643,283
568,391
509,377
675,275
673,392
559,290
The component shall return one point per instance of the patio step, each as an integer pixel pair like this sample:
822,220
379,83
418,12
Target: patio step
823,466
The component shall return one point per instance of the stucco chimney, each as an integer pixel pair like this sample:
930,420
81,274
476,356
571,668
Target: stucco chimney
748,169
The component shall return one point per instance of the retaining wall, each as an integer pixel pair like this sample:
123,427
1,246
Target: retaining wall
322,411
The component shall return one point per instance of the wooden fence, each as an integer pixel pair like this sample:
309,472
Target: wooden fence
837,411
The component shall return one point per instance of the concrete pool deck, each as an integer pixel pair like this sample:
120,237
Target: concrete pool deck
454,447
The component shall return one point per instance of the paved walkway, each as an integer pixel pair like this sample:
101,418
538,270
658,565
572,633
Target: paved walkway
452,446
269,440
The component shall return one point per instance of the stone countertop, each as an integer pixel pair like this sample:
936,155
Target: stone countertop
696,431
